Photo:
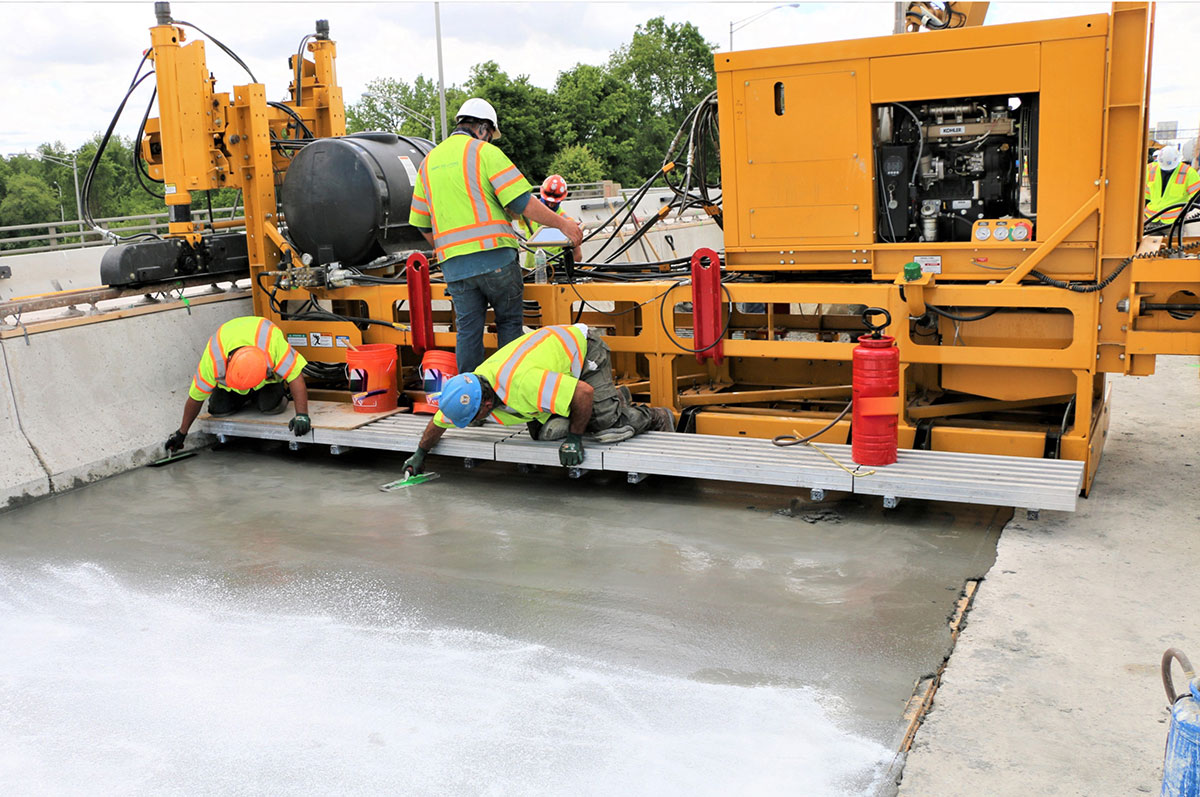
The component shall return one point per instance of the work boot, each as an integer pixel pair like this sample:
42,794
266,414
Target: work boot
554,429
613,435
661,420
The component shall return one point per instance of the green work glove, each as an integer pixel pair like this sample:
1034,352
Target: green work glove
300,425
175,441
415,464
570,453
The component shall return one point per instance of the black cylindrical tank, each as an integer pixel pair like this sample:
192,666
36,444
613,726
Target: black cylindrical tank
346,199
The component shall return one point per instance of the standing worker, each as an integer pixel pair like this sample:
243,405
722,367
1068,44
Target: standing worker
1169,182
247,359
552,194
466,186
556,379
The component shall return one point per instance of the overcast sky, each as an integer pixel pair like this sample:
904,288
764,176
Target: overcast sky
67,65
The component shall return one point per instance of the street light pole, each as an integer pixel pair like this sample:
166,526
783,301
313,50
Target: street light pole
437,23
741,23
62,161
420,118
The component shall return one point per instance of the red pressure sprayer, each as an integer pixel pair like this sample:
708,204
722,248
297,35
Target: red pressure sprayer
876,383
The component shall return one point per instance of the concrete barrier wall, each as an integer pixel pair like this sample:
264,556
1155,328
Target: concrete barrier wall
90,401
22,476
45,272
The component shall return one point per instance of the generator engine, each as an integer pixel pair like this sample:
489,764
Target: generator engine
944,164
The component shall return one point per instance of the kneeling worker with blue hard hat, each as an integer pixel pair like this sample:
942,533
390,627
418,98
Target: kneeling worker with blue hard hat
558,380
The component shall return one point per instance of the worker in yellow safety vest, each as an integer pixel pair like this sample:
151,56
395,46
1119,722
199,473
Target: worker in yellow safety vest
558,380
552,194
1169,183
247,359
462,204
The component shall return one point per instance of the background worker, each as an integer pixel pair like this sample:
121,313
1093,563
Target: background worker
1169,182
461,204
557,379
247,359
551,194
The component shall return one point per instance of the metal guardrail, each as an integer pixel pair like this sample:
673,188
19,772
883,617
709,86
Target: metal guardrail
76,234
603,188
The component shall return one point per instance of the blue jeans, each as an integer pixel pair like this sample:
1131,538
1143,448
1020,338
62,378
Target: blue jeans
503,290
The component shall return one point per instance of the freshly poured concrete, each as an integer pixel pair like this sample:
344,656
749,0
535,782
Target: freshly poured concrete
259,621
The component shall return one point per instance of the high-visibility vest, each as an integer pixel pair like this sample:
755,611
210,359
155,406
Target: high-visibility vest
250,330
1184,183
463,187
535,375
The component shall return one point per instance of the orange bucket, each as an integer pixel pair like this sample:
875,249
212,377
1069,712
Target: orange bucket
436,367
372,369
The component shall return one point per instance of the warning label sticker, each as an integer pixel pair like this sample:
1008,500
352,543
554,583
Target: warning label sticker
342,341
297,339
930,264
407,163
169,188
319,340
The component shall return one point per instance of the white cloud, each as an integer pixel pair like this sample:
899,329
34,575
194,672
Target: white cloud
67,64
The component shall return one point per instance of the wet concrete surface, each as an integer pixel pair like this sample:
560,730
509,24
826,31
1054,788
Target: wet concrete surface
265,621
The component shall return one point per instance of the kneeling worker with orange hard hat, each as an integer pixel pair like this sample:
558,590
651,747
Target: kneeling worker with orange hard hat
247,359
558,380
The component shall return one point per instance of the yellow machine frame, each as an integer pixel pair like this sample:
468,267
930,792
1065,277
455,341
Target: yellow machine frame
799,213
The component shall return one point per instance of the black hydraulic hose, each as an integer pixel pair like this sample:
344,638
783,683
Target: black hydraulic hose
663,320
217,42
962,318
1161,211
139,168
792,440
1180,220
86,189
292,113
299,69
1116,272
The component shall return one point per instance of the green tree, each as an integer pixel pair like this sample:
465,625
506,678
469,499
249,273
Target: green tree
388,104
577,164
532,131
669,69
596,110
28,200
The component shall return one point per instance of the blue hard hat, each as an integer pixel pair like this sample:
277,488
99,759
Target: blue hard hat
460,398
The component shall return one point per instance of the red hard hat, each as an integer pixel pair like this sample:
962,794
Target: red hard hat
554,188
247,368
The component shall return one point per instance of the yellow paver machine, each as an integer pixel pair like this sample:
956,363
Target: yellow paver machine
983,185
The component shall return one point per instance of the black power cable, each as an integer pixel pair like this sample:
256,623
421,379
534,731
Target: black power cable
89,176
663,320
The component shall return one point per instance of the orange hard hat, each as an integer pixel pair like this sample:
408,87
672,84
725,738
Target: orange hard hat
247,368
554,188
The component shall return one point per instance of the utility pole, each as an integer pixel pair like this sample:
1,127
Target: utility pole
437,23
62,161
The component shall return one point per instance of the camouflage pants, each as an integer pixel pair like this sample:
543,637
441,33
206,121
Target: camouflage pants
610,408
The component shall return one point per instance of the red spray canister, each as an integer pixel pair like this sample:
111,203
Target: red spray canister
876,382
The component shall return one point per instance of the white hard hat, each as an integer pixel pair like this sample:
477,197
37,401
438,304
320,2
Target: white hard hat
1168,157
478,108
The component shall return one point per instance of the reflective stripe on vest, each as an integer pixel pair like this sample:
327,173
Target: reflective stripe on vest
1180,174
486,225
565,338
262,337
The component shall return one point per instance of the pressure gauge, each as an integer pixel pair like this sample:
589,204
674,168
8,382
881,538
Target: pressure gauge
1000,233
983,232
1020,232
